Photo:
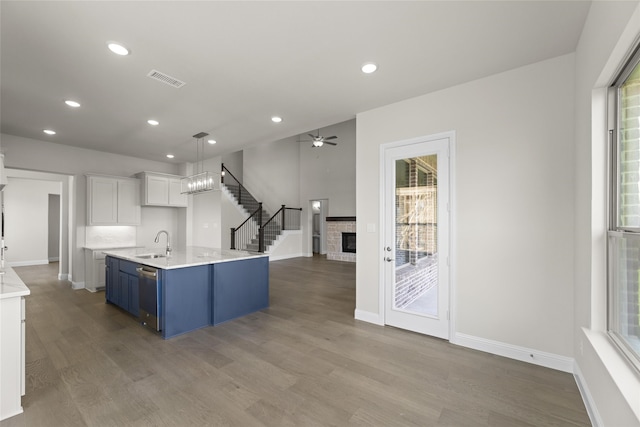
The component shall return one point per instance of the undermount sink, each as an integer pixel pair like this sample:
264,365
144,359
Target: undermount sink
150,256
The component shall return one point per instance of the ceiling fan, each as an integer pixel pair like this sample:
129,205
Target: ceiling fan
319,140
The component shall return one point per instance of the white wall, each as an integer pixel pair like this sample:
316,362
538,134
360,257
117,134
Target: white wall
329,172
206,213
612,387
514,184
271,172
234,163
27,220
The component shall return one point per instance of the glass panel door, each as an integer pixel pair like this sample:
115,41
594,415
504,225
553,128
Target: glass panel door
416,245
416,222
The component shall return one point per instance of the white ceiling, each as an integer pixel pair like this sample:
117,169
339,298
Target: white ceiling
244,62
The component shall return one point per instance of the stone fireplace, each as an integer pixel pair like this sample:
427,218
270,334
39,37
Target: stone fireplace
341,238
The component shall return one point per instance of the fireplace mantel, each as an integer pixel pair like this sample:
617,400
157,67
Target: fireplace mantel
342,218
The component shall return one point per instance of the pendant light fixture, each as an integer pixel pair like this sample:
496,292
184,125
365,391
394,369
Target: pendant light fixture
201,180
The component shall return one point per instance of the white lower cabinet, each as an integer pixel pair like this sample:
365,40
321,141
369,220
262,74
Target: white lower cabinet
12,344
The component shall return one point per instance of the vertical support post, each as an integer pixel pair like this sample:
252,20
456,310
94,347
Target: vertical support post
260,229
233,238
221,173
283,216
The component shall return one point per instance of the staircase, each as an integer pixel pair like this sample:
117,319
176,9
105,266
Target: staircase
250,205
260,230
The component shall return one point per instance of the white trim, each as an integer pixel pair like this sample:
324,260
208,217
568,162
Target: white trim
64,277
77,285
524,354
587,398
28,263
453,307
369,317
54,259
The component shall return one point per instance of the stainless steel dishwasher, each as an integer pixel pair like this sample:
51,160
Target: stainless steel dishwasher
148,291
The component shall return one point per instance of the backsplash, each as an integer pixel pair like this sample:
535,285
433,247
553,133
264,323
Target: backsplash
110,236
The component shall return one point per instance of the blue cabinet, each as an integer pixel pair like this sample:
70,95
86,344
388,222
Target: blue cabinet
185,300
239,288
111,282
122,284
199,296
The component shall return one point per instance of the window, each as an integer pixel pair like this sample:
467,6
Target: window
624,218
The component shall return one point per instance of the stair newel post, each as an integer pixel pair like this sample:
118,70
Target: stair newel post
260,229
283,216
233,238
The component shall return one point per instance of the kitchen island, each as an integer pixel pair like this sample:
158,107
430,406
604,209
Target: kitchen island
188,289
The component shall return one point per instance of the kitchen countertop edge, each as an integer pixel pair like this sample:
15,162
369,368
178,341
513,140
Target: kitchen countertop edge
183,258
11,285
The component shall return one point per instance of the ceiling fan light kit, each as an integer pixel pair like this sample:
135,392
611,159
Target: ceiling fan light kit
319,140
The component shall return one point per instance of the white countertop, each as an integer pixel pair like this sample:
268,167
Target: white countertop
106,247
180,258
11,285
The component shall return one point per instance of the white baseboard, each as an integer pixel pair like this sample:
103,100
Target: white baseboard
587,398
64,277
28,263
367,316
524,354
54,259
77,285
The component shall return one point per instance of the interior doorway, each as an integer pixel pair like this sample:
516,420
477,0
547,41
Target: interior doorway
318,209
54,228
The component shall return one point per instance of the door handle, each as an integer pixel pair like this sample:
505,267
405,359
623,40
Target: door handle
388,259
146,273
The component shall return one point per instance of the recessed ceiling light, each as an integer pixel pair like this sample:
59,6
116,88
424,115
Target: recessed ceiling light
170,156
276,119
153,122
369,68
118,49
71,103
212,141
49,132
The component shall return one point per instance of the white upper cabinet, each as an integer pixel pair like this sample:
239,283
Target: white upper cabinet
113,200
160,189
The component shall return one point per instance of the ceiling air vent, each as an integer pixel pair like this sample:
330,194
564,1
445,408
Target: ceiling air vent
168,80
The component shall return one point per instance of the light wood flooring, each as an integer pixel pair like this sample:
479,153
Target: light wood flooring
304,361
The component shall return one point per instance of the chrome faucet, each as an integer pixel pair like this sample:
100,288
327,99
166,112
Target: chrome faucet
157,239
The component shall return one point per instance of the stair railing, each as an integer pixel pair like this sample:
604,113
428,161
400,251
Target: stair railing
243,234
285,219
244,197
